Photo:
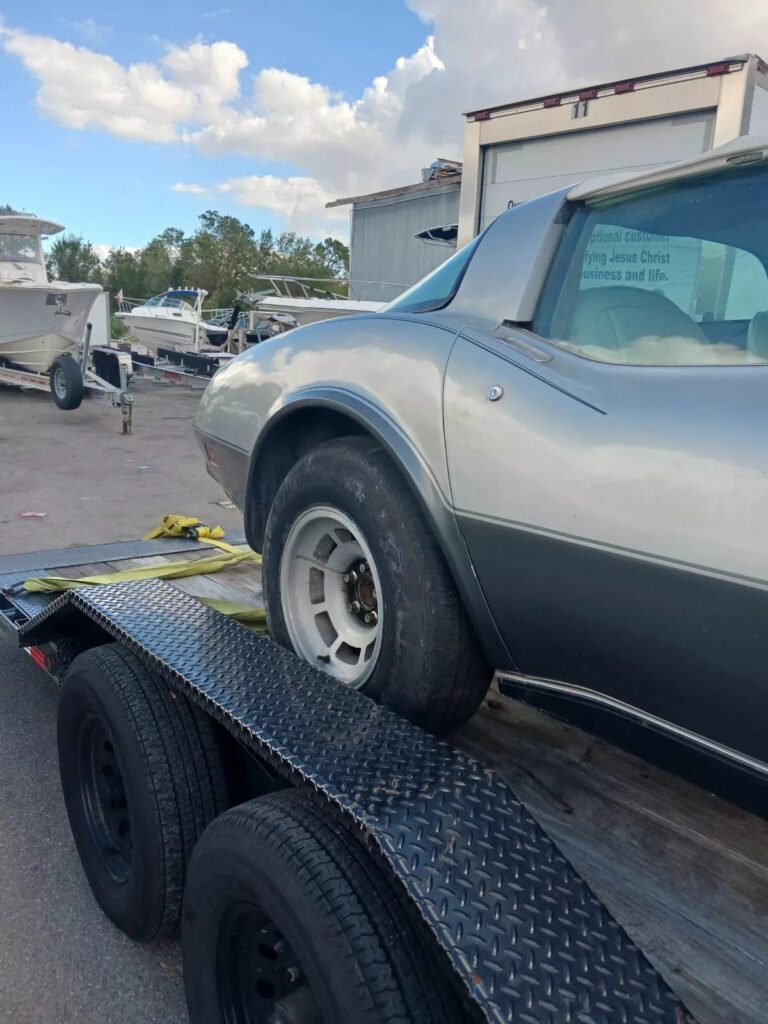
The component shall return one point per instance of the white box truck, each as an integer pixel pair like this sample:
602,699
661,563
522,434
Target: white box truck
519,150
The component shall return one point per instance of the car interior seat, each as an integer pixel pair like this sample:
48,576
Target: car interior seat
613,318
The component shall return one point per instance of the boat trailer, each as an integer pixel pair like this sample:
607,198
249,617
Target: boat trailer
110,387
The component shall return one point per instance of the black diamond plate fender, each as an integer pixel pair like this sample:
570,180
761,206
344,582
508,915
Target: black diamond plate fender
523,931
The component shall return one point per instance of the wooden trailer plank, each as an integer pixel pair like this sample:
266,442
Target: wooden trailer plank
684,871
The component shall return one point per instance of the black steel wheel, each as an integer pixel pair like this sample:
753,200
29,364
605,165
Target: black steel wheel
142,773
103,797
288,920
66,383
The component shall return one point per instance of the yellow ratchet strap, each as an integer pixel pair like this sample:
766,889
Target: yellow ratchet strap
173,526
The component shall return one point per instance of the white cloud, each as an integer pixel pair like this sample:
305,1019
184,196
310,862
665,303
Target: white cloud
301,201
149,102
474,54
91,29
193,190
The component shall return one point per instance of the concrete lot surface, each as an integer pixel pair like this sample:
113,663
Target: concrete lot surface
94,484
61,961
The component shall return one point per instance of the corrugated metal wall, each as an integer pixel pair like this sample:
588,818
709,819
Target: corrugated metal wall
385,257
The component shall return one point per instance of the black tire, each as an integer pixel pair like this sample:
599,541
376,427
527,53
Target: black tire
66,383
142,773
430,667
282,900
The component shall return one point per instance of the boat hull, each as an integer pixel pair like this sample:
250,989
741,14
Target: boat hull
156,332
38,323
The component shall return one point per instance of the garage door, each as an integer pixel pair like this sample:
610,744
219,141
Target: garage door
514,171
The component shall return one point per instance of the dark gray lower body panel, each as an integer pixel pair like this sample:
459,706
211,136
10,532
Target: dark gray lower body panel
682,645
529,940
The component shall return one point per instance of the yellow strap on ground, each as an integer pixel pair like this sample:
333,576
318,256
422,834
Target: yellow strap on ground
189,526
168,571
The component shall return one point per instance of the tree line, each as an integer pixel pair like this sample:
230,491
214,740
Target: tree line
223,255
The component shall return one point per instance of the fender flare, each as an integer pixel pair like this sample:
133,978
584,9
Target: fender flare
435,504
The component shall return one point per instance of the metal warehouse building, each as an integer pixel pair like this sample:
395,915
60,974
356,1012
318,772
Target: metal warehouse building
516,151
399,235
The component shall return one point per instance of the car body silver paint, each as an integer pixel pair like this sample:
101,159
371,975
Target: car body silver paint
659,466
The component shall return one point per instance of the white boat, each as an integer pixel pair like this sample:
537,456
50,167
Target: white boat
173,320
309,311
279,305
39,319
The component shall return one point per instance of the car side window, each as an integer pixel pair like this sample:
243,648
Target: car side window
670,276
438,288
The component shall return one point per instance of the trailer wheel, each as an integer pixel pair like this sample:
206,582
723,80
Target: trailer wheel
142,774
66,383
288,920
356,584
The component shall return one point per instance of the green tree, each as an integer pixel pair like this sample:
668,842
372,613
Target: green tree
123,269
71,258
219,257
224,256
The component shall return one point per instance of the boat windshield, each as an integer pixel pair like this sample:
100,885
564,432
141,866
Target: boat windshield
19,248
167,300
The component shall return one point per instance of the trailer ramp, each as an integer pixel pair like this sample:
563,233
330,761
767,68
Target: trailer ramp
529,940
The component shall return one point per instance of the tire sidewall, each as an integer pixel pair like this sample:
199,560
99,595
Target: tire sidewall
353,488
249,874
125,903
74,381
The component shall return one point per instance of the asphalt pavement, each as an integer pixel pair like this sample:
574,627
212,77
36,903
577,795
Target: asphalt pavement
61,960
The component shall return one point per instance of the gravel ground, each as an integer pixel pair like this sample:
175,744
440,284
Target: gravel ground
61,960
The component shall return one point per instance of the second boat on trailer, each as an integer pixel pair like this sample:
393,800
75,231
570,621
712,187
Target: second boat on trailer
173,320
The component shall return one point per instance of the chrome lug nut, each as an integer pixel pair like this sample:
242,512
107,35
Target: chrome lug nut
371,618
362,567
354,607
350,577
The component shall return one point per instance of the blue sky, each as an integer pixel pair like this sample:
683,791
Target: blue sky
121,121
118,192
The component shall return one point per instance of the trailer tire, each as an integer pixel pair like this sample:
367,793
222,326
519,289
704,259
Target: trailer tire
143,773
66,383
426,663
286,913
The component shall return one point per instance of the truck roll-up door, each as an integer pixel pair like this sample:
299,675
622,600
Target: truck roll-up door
515,171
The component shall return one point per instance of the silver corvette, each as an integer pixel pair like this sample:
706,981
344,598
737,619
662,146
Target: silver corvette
548,459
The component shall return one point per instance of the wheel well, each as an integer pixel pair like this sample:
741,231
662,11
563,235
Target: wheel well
283,445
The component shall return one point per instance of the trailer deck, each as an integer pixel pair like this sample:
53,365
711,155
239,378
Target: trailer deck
683,873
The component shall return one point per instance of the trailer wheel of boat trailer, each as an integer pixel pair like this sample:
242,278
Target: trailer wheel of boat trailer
69,380
324,859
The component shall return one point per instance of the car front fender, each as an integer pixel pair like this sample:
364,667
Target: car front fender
318,413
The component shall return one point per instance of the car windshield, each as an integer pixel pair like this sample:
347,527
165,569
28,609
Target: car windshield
15,248
438,288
